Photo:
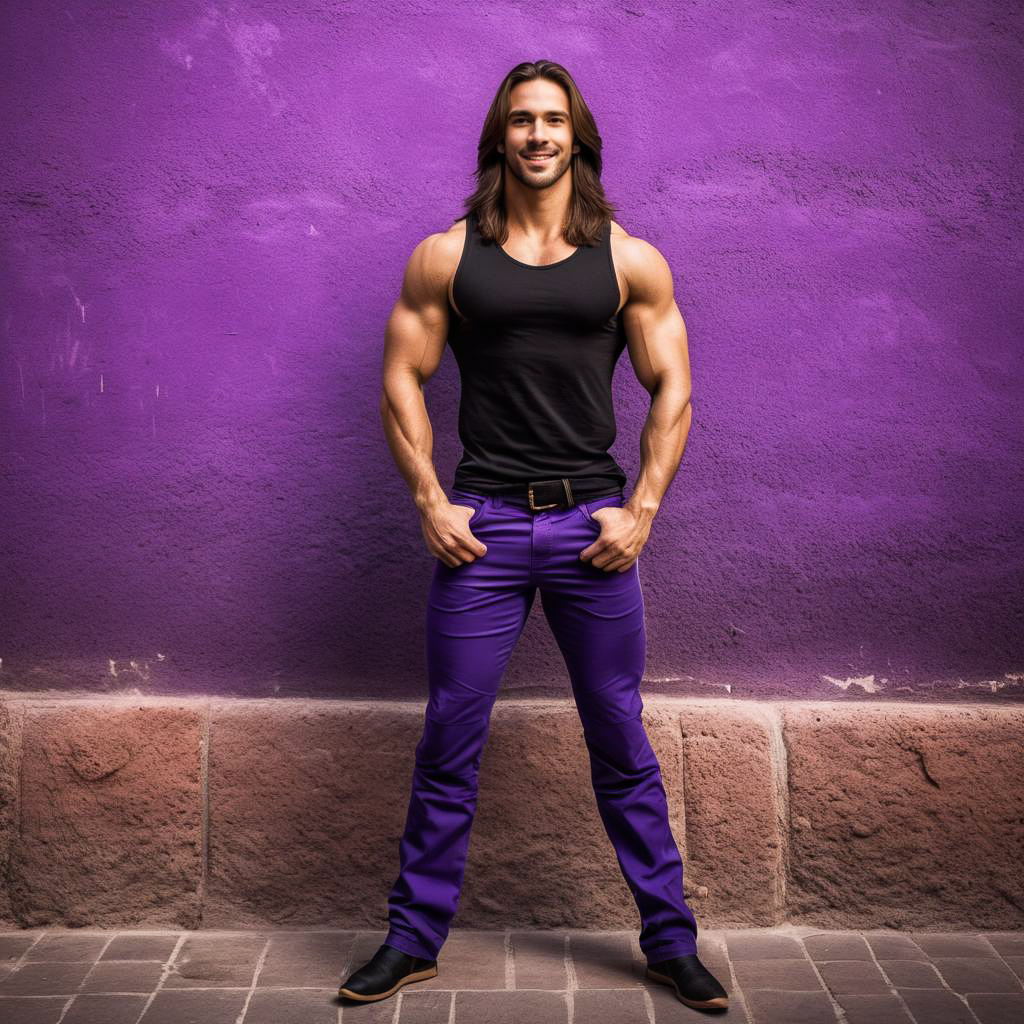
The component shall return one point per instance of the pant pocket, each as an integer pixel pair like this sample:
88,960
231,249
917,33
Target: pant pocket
587,507
477,502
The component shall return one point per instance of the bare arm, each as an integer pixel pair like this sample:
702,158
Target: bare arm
414,344
656,339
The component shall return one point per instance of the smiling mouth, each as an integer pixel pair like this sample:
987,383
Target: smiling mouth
538,158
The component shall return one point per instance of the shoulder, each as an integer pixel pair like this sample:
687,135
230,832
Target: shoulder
435,258
645,269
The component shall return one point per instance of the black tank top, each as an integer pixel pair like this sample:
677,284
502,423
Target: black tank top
536,354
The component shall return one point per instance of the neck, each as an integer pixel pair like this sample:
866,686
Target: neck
538,213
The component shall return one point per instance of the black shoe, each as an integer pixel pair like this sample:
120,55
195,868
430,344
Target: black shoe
695,985
385,973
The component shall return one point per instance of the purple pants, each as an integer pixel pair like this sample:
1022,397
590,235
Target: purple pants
475,614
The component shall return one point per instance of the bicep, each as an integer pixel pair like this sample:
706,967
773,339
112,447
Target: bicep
417,328
655,330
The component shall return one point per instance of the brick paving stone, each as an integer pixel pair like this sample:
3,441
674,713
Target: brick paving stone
784,975
595,1007
211,1006
604,974
853,976
131,976
952,944
1006,943
334,946
314,972
294,1006
425,1007
104,1009
762,945
132,946
1016,964
600,945
45,979
211,975
837,946
239,947
997,1007
603,960
790,1007
381,1012
14,944
32,1011
59,947
977,974
873,1009
471,959
538,959
511,1008
911,973
936,1006
893,946
211,970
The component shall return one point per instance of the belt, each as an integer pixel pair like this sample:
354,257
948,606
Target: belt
558,493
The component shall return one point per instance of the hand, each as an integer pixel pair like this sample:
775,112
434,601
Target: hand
446,531
623,536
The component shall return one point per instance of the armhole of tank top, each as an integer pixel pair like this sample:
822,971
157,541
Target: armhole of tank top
611,267
455,276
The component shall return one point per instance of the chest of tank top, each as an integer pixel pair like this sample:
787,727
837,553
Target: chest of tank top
502,300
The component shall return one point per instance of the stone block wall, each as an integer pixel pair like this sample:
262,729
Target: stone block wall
207,812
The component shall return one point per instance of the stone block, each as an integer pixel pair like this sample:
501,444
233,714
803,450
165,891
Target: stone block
111,814
905,816
539,854
10,747
734,793
307,803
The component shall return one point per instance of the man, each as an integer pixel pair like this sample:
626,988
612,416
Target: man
538,292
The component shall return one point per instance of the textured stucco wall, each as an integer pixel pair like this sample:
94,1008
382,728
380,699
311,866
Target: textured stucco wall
207,209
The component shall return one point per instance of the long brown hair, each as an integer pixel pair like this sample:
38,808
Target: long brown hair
589,210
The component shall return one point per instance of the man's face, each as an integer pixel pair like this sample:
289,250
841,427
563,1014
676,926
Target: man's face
538,123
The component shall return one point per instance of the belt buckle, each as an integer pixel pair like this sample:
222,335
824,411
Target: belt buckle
564,481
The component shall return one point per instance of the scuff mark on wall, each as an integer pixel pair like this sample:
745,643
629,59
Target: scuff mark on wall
866,683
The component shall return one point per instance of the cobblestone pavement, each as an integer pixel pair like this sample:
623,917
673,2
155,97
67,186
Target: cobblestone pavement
789,975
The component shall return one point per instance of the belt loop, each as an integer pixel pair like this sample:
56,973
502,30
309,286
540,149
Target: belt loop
568,492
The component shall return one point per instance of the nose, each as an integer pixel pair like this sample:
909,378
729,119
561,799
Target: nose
537,135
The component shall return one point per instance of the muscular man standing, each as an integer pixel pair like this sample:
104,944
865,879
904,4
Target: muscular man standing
538,291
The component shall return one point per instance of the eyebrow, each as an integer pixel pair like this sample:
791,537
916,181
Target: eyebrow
527,113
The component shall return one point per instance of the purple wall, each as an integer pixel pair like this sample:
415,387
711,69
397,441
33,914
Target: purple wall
207,211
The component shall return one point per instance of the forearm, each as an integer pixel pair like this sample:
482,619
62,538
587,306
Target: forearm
411,439
662,443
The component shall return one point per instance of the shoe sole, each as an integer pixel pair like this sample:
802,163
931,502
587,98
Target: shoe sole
431,972
718,1003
